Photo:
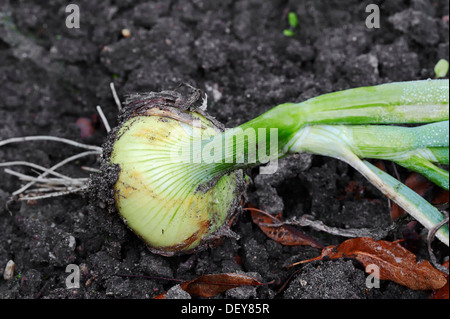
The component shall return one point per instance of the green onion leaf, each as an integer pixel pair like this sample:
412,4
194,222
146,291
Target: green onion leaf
293,19
416,205
288,33
441,68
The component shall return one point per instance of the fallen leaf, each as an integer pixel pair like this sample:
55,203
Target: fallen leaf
161,296
284,234
443,292
211,285
441,197
395,262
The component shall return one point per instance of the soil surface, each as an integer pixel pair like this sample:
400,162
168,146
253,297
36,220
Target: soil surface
53,77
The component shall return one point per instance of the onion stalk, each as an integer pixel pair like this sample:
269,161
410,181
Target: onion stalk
181,179
176,174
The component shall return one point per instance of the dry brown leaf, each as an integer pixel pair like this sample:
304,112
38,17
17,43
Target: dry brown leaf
443,292
284,234
211,285
441,197
395,262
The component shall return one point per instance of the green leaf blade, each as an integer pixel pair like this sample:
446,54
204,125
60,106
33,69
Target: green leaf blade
293,19
416,205
288,33
441,68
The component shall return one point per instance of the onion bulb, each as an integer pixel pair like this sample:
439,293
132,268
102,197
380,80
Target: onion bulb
175,204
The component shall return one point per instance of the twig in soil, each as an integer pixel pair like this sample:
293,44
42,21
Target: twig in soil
150,277
43,289
397,175
306,221
116,97
430,238
50,138
7,206
284,285
103,117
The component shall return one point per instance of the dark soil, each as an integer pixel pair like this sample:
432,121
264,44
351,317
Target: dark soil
51,76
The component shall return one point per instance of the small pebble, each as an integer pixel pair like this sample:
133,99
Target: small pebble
8,273
126,33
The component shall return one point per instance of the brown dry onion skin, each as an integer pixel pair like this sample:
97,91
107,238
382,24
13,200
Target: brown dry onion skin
107,188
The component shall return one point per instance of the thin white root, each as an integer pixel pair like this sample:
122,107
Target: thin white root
50,187
47,181
103,117
40,178
90,169
44,189
60,184
54,194
23,163
50,138
116,97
